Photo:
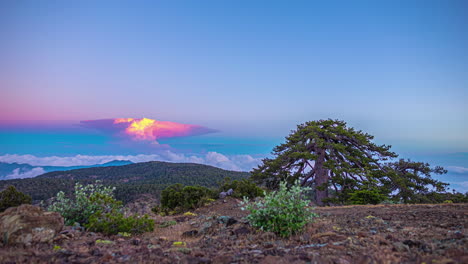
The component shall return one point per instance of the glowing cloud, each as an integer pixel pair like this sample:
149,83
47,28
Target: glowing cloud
145,129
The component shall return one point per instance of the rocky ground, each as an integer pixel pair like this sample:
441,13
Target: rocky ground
218,234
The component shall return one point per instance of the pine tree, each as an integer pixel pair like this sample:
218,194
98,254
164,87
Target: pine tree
328,155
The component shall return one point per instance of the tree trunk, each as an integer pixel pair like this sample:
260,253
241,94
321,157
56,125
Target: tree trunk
321,177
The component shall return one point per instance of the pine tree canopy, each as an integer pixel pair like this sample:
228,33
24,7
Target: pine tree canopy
336,160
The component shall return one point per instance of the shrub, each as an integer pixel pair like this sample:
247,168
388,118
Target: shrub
366,196
284,212
114,222
242,188
182,198
87,201
442,197
10,197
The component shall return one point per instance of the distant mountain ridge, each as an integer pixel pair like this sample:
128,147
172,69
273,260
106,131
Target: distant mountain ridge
130,180
7,169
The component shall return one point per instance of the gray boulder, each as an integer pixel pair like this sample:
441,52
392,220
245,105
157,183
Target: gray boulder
27,224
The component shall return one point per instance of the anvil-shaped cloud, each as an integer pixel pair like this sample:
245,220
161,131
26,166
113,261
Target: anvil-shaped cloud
145,129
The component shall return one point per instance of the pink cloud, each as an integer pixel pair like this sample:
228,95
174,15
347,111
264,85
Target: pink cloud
145,129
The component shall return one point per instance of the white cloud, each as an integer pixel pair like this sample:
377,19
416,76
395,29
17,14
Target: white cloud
457,169
17,174
232,162
221,161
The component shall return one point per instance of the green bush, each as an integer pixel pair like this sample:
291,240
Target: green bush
366,196
95,207
284,212
87,201
10,197
242,188
182,198
441,197
114,222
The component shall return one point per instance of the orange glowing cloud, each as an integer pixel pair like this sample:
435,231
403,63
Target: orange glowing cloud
145,129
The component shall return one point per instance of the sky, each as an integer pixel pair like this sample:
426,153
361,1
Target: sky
240,74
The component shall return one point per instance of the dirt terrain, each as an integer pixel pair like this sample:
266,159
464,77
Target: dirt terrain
218,234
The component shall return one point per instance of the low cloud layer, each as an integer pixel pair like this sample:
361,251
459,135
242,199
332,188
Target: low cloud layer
231,162
18,174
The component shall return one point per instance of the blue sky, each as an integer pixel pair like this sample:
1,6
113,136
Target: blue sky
252,70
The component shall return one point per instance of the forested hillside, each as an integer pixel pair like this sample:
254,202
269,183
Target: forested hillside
130,180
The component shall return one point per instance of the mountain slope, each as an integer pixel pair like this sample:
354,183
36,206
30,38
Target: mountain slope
130,180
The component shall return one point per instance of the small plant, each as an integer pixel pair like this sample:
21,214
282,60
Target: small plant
284,212
179,244
209,200
167,224
103,241
87,200
10,197
366,196
95,207
190,214
448,201
124,234
113,223
388,202
182,198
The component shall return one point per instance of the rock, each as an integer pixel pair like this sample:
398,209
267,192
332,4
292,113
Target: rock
198,253
279,243
400,247
274,259
268,236
96,252
184,250
136,241
222,259
206,227
190,233
222,195
227,220
230,192
196,260
27,224
241,231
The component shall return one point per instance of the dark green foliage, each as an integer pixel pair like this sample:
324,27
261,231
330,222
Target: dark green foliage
130,180
115,222
10,197
366,196
323,154
182,198
440,197
336,161
410,180
284,212
242,188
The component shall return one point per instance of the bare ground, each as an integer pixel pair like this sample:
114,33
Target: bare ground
345,234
